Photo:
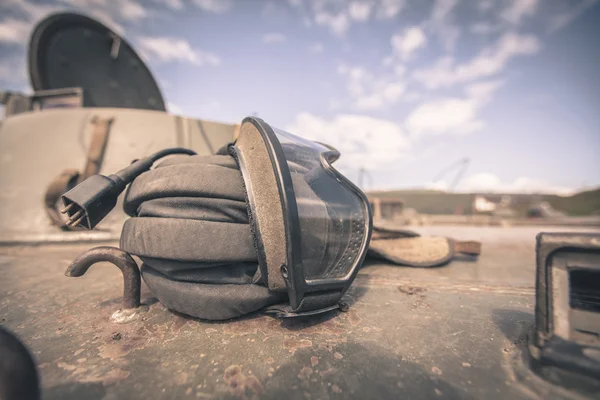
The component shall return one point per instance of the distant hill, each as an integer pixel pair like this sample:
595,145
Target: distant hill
431,201
582,203
439,202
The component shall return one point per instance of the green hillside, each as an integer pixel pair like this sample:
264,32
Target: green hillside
582,203
431,201
438,202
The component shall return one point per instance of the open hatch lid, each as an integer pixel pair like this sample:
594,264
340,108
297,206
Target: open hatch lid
69,50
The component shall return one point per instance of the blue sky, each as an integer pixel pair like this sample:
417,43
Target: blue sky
402,88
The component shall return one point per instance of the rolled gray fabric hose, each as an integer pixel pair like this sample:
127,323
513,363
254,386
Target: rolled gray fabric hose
190,228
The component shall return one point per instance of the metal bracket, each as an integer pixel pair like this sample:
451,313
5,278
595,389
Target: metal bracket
122,260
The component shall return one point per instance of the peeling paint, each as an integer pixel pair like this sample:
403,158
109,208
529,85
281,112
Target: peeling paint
240,385
125,316
65,366
292,344
327,372
181,378
314,360
305,373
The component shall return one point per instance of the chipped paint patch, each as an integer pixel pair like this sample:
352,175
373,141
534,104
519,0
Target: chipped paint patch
305,373
66,366
292,344
181,378
240,385
410,290
314,360
125,316
111,377
114,376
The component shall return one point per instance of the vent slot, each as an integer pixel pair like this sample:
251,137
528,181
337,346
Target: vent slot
584,290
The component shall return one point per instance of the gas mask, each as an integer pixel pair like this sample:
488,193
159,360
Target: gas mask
266,224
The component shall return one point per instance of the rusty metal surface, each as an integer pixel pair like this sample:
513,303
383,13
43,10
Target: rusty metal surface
451,332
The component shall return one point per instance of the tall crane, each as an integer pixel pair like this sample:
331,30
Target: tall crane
461,165
362,173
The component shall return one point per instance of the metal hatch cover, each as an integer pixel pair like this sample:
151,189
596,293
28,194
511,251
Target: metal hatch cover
71,50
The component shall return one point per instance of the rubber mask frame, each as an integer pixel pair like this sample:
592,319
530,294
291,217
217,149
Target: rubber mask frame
276,222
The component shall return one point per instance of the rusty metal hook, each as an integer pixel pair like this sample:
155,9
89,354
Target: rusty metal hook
123,261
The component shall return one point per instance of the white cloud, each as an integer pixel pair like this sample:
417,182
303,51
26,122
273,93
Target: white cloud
485,5
357,137
208,108
388,9
437,185
132,11
338,23
487,63
169,49
356,79
273,38
490,183
13,70
86,3
172,4
214,6
442,9
519,9
107,18
14,31
399,69
453,115
5,71
335,105
33,11
389,93
174,109
564,18
316,48
17,30
482,92
369,102
393,91
164,84
408,42
110,11
441,22
369,92
360,10
106,11
483,28
339,15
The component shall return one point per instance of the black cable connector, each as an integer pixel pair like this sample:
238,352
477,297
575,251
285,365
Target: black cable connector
90,201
